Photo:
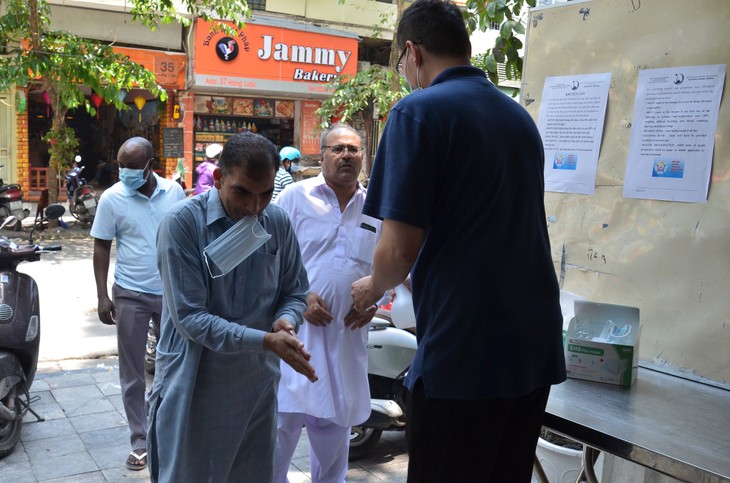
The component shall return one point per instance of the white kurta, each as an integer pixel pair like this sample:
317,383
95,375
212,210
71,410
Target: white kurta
337,249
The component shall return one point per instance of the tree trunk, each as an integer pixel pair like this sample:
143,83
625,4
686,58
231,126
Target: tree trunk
394,48
35,36
59,122
367,120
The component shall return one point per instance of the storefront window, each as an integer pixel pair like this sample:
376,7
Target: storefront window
218,118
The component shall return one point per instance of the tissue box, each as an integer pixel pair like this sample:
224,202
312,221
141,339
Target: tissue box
602,343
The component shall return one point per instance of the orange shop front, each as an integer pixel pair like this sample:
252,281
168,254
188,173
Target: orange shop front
268,78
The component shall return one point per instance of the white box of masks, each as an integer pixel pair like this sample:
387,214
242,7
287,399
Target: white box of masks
602,343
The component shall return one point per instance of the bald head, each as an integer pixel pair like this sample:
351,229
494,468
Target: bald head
135,153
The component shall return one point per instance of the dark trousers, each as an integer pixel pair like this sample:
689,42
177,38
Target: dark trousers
134,311
483,440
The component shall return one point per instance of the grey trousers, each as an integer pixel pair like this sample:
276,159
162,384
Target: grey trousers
134,310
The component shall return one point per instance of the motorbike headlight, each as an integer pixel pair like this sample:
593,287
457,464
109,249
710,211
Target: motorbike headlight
33,327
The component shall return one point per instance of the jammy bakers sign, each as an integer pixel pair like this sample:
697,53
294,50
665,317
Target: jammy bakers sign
271,59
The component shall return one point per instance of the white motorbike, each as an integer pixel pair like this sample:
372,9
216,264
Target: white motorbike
390,353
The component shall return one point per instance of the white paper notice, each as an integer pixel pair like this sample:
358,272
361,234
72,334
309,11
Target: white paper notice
673,133
571,119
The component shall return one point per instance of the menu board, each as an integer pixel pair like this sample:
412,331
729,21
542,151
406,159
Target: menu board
172,142
244,106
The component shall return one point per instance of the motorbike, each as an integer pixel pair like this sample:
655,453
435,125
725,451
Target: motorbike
11,204
390,353
19,333
82,199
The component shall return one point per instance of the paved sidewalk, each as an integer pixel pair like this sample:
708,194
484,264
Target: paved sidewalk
84,437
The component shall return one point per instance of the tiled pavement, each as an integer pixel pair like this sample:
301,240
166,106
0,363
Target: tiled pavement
84,437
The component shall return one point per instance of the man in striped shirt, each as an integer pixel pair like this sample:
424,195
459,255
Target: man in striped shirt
289,163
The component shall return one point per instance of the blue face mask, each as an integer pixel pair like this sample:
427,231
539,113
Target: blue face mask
132,178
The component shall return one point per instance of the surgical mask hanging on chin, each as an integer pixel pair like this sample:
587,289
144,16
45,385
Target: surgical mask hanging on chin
234,246
132,178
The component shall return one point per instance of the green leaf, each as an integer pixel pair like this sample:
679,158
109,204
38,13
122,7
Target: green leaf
505,31
490,63
498,55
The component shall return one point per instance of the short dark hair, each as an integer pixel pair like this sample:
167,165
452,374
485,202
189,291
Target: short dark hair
251,152
437,25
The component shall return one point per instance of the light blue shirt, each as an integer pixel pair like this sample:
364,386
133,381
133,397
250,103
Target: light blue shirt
133,219
211,368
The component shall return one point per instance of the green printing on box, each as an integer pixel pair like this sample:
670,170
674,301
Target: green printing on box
591,357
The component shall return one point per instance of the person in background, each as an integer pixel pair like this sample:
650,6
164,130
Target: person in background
337,243
290,158
213,400
206,168
131,211
488,318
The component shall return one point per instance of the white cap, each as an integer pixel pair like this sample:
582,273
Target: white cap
213,151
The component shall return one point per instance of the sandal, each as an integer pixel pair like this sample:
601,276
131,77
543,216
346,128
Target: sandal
137,459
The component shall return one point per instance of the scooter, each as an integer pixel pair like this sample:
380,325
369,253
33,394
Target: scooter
11,204
82,199
390,353
19,333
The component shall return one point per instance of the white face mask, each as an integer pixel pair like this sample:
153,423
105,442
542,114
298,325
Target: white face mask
235,245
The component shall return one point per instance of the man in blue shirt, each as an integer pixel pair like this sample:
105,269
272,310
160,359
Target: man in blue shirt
131,211
213,402
485,292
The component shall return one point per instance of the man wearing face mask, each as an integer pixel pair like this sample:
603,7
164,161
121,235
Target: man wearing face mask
289,165
481,265
213,400
131,211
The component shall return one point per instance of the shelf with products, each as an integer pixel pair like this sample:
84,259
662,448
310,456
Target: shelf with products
279,131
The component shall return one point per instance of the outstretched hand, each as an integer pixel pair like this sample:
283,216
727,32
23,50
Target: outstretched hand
291,350
356,319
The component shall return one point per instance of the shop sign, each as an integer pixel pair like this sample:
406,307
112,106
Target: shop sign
169,68
268,58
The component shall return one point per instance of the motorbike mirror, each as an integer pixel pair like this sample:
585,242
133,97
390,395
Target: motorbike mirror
9,220
54,211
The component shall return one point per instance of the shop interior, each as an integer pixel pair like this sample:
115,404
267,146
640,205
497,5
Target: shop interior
217,118
100,136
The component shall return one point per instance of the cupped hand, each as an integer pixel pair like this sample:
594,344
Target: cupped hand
283,324
317,312
357,319
291,350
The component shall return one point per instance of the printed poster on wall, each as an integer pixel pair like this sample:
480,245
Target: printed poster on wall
571,118
673,133
310,127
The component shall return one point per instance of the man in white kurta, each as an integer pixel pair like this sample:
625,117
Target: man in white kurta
337,243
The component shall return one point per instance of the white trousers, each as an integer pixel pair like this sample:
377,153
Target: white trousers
328,447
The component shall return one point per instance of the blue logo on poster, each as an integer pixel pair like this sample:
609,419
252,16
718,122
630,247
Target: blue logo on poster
565,161
668,168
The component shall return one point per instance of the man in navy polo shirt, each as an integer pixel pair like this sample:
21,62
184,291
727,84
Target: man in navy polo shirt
484,286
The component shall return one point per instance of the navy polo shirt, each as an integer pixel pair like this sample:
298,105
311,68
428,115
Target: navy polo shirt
464,162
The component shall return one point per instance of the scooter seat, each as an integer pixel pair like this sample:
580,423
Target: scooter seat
8,187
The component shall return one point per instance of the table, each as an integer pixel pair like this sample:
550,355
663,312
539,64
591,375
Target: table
670,424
